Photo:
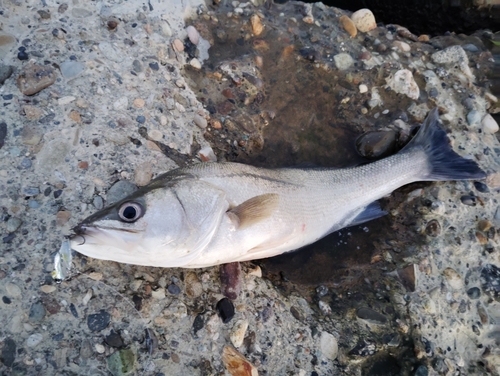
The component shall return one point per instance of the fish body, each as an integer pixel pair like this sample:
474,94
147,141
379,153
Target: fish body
215,213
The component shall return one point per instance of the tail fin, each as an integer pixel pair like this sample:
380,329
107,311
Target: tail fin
444,163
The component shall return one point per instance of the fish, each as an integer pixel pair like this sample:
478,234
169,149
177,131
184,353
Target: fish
215,213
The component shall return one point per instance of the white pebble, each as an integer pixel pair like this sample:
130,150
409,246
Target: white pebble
489,124
402,82
193,35
158,293
195,63
34,340
363,88
343,61
364,20
99,348
238,332
200,121
329,346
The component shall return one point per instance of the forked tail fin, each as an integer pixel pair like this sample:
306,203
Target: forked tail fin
444,163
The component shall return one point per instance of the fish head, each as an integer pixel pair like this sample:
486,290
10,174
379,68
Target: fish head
155,226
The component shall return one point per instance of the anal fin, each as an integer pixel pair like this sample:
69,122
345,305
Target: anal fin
372,211
254,210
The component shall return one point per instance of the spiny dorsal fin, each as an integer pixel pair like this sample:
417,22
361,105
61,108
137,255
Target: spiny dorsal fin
253,210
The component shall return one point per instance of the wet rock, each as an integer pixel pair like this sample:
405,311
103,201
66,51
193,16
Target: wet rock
481,187
256,25
236,364
452,56
8,353
13,223
433,228
71,69
490,281
329,346
34,340
113,339
98,321
364,20
454,279
230,277
474,293
348,25
343,61
473,117
120,190
122,362
5,72
193,286
376,144
37,312
238,331
34,78
402,82
371,316
225,308
489,124
469,200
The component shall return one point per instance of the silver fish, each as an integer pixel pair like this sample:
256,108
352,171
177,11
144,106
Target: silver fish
214,213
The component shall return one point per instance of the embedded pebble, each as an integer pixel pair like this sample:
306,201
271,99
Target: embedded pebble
454,55
231,279
34,339
481,187
34,78
474,293
402,82
256,24
113,339
8,353
402,46
489,124
371,316
364,20
468,200
195,63
193,286
139,103
37,312
236,364
376,144
178,45
325,308
473,117
490,281
143,174
225,308
363,88
98,321
158,293
62,217
123,362
3,133
13,290
329,346
454,279
433,228
48,288
100,349
238,332
343,61
193,34
120,190
174,289
71,69
13,223
5,72
348,25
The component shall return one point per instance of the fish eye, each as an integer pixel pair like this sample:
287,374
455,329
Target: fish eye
130,212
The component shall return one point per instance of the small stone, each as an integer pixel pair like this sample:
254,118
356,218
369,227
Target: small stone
143,174
139,103
364,20
238,332
402,46
348,25
62,217
25,163
155,135
193,286
120,190
329,346
423,38
100,349
489,124
225,308
207,154
34,78
402,82
174,289
23,55
13,223
325,308
343,61
98,321
158,293
48,288
236,364
474,293
193,35
454,279
481,187
98,202
122,362
112,23
140,119
363,88
8,353
195,63
113,339
13,290
34,339
473,117
490,281
376,144
178,45
481,238
256,24
95,276
433,228
230,277
5,72
37,312
371,316
468,200
3,133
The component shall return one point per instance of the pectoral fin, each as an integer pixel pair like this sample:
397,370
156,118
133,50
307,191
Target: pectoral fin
254,210
369,213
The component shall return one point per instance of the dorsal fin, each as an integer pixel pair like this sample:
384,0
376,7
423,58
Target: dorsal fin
253,210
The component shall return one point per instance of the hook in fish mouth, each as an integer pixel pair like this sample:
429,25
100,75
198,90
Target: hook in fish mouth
78,231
